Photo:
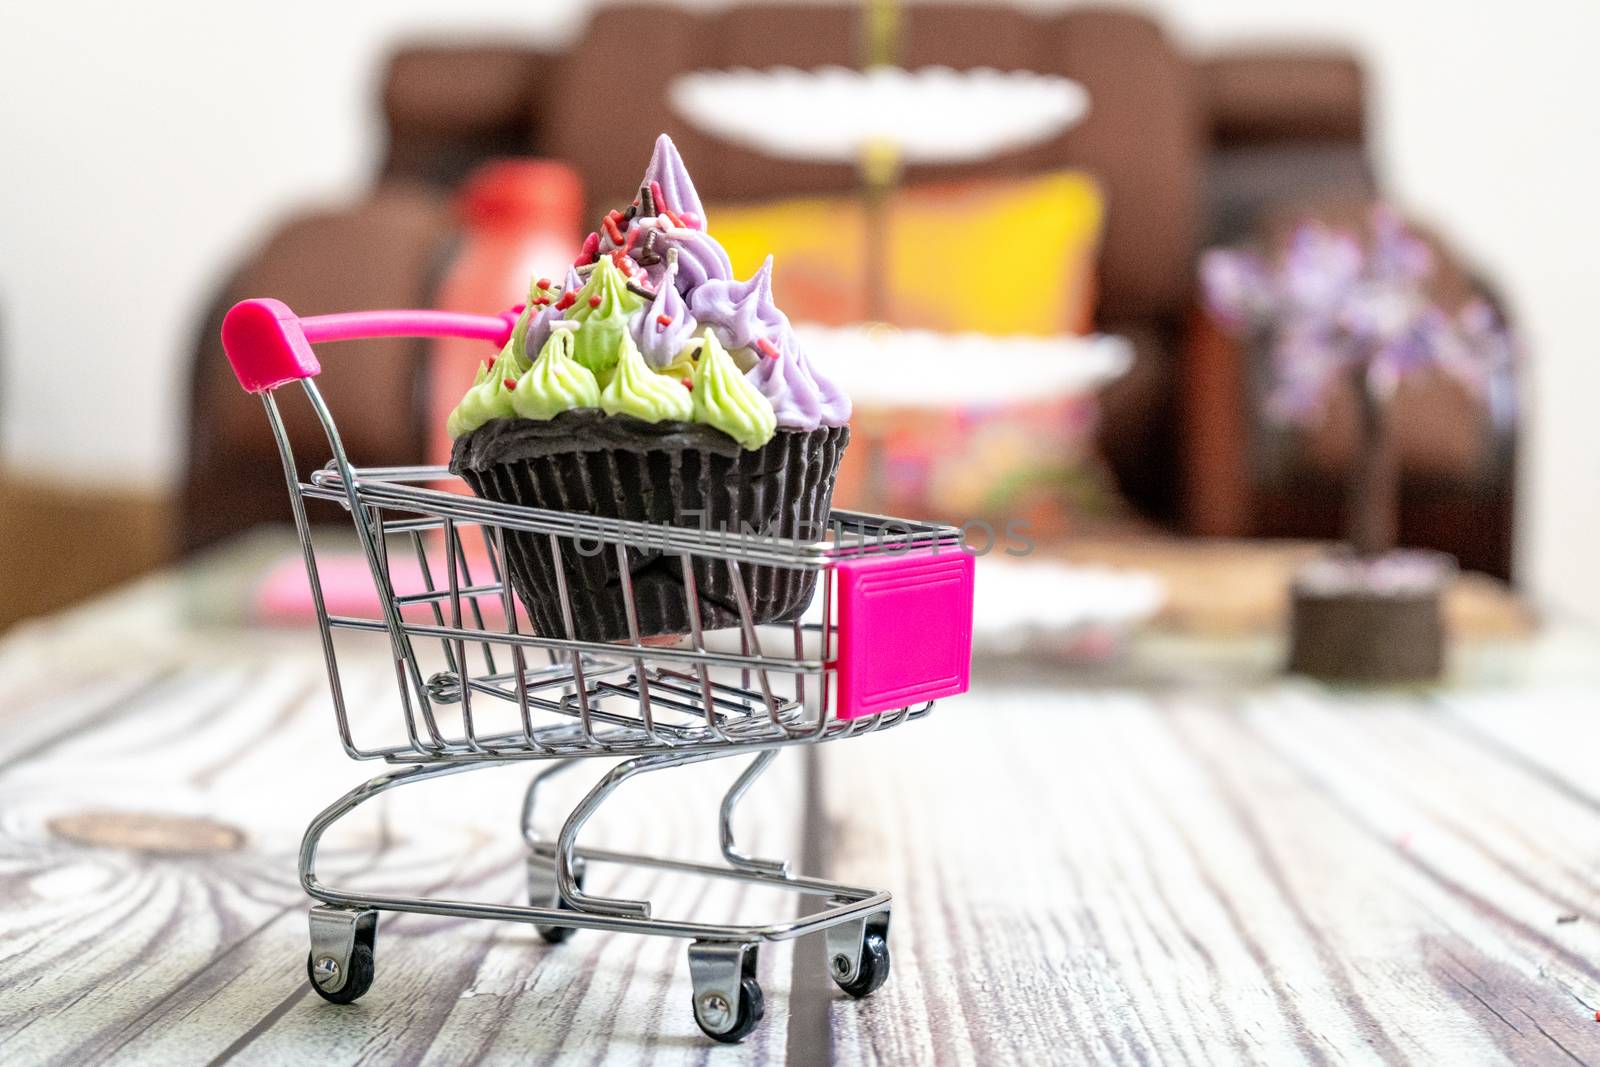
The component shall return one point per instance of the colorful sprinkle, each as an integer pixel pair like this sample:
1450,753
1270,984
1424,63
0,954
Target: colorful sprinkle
509,383
566,301
594,301
612,231
663,320
767,348
674,218
647,255
543,283
659,200
591,248
688,384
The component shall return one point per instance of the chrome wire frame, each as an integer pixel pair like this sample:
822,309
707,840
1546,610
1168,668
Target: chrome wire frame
505,693
845,903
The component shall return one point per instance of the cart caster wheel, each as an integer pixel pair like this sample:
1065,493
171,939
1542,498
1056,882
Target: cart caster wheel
711,1010
362,969
343,944
727,998
542,893
872,970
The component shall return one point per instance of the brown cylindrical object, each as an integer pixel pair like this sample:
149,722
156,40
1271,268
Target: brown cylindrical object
1373,634
1372,513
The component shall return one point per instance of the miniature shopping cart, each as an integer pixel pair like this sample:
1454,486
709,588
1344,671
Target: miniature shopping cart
479,687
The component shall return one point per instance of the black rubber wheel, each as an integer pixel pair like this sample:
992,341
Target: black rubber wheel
554,935
751,1009
874,968
362,969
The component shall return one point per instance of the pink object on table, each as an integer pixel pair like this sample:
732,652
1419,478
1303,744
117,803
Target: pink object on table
889,656
283,595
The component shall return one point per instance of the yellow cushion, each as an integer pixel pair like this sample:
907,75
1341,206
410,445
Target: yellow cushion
1002,257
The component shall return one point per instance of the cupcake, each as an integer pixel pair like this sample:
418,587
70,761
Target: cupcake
653,386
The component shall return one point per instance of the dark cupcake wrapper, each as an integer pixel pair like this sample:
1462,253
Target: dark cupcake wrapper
672,473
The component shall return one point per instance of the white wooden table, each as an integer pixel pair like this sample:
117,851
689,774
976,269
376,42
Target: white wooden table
1189,862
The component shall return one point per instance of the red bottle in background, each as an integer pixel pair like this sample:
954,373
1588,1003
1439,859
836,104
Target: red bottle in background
520,219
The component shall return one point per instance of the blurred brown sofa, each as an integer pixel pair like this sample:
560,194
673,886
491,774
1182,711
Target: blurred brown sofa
1189,151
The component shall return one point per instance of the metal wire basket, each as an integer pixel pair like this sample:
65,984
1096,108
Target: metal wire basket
889,633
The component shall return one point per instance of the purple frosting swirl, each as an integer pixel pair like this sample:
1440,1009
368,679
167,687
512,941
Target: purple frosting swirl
742,313
677,188
665,326
693,284
802,398
539,325
743,316
701,258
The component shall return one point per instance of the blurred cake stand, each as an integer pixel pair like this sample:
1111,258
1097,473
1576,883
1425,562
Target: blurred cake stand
879,119
870,362
870,365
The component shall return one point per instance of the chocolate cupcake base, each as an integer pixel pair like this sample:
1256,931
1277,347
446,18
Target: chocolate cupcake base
671,474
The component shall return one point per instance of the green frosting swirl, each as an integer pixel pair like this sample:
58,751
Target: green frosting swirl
556,382
725,400
601,310
637,390
489,397
591,360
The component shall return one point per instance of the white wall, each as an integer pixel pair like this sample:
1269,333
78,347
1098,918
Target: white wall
142,146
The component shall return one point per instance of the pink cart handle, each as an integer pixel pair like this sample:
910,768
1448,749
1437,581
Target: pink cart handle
269,345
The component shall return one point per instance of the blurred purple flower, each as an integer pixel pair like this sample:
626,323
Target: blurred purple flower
1236,285
1319,269
1397,253
1304,361
1330,306
1486,359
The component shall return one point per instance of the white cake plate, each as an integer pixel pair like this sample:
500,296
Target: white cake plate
884,367
833,114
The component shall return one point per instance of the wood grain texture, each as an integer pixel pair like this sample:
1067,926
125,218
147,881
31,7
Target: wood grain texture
128,954
1196,872
1271,877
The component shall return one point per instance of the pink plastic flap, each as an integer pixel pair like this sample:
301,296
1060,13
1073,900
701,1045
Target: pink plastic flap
267,345
905,629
